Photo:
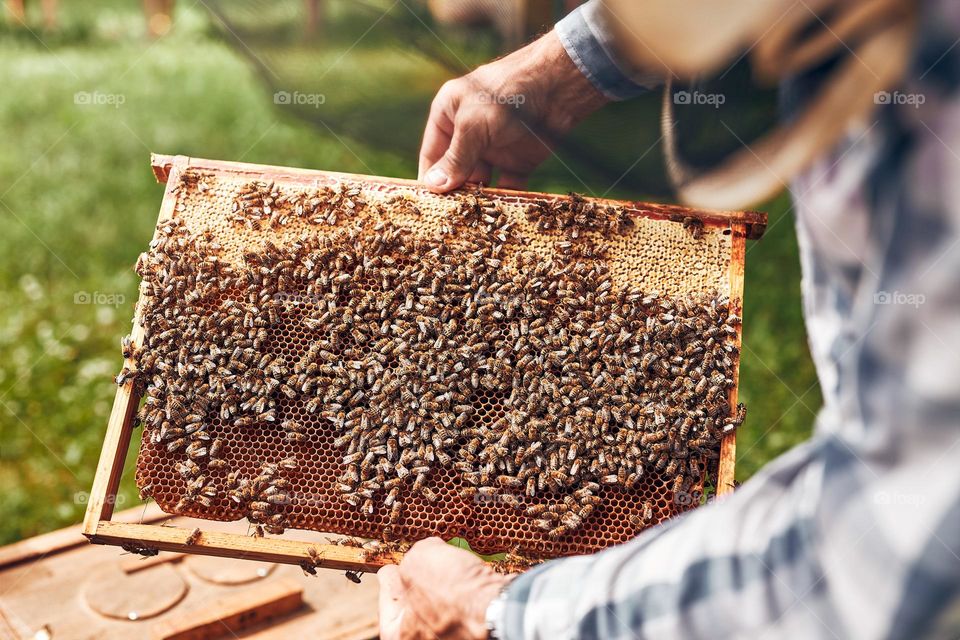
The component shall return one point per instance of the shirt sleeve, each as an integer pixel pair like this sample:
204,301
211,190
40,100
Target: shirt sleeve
687,577
587,40
829,541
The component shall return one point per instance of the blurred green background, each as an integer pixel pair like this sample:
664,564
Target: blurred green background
83,105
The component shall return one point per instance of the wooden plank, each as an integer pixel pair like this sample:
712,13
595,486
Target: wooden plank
113,594
232,545
754,222
333,604
348,631
728,446
119,427
233,613
109,469
68,537
7,632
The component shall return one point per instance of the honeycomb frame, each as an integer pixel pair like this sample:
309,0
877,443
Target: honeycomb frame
487,526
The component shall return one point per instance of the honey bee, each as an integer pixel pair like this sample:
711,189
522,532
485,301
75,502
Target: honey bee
188,469
127,347
395,511
197,450
140,549
193,538
558,531
296,431
126,375
279,498
176,445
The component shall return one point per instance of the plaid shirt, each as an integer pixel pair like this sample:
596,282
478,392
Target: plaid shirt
855,533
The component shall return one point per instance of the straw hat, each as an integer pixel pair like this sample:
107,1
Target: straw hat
687,39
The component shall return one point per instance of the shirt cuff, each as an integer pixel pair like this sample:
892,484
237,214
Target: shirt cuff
588,43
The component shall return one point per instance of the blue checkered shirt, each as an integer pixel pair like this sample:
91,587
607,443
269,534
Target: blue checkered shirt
855,533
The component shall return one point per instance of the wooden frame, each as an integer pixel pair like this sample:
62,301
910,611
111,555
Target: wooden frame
100,527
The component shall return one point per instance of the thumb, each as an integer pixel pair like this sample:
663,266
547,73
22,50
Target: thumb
467,145
392,604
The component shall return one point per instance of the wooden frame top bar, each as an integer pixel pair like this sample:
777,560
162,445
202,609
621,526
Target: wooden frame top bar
754,222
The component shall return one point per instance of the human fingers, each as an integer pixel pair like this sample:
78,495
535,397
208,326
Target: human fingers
467,143
392,605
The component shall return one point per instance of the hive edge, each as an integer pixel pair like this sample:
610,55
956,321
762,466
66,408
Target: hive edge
754,222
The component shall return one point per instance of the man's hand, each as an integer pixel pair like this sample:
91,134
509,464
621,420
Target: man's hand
506,115
437,591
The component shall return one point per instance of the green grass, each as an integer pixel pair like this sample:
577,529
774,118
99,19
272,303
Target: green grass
78,203
777,379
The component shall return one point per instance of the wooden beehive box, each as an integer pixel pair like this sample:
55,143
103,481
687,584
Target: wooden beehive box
104,593
656,253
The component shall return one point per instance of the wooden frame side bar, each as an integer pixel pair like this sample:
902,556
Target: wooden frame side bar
119,427
728,446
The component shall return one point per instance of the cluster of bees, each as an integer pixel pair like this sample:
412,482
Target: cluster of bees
576,216
264,496
259,202
370,550
536,380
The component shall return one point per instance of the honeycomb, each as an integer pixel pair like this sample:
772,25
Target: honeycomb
656,254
